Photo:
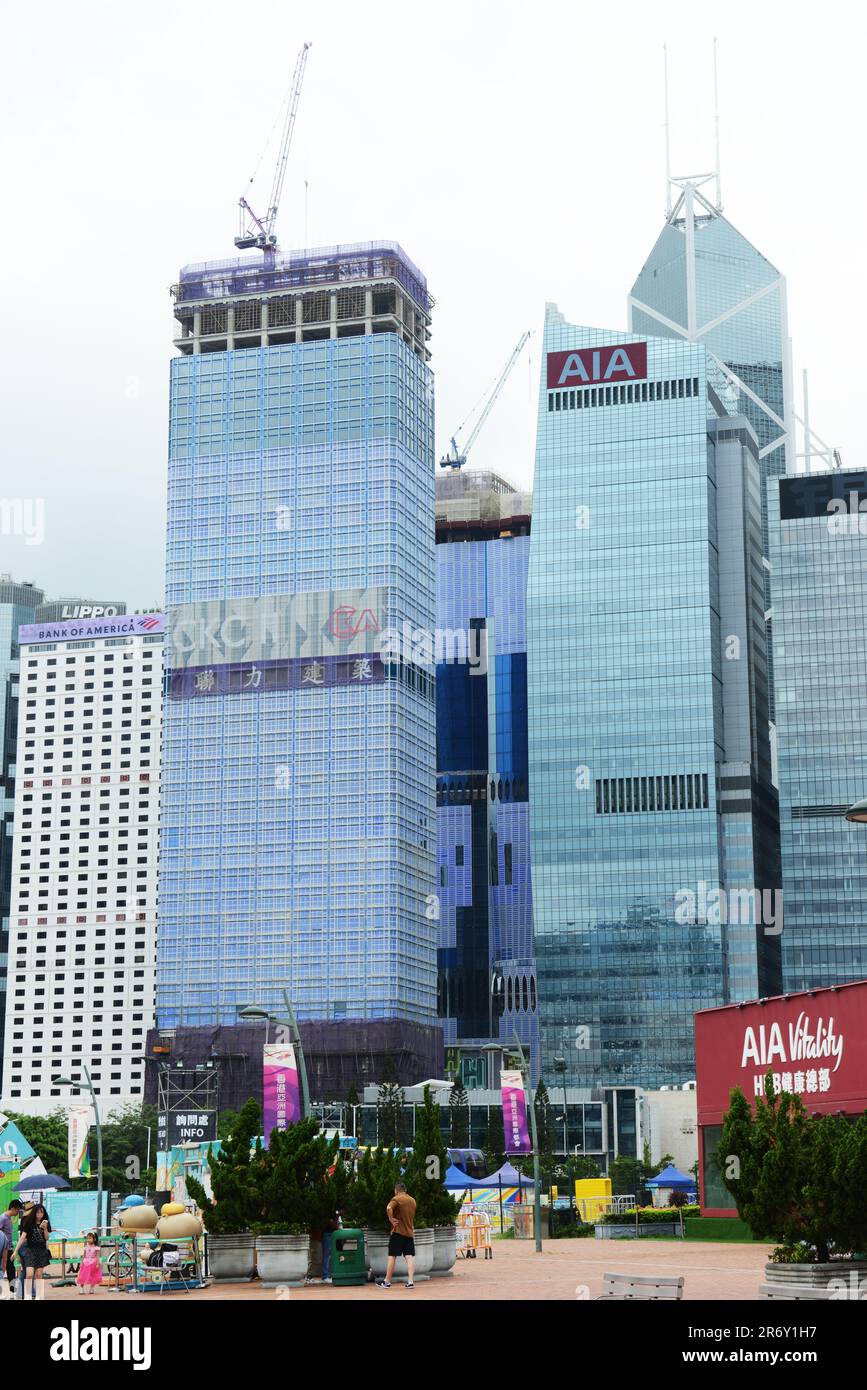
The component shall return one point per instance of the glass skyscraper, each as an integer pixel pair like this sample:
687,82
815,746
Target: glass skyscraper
486,963
819,589
299,814
653,818
706,283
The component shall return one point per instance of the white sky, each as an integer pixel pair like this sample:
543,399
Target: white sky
514,150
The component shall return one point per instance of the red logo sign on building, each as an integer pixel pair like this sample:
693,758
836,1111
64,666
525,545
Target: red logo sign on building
594,365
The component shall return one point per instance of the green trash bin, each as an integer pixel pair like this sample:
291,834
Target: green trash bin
348,1265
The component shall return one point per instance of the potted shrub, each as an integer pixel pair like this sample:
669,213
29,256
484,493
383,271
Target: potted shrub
236,1204
798,1179
297,1197
367,1200
436,1209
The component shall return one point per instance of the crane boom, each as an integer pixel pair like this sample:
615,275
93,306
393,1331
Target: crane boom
256,231
458,457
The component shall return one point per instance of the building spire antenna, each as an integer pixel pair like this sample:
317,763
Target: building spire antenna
716,128
667,140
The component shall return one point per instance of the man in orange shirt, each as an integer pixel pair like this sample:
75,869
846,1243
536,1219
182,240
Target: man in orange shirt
401,1215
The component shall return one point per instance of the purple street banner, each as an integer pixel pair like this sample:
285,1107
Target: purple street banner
517,1135
126,625
282,1097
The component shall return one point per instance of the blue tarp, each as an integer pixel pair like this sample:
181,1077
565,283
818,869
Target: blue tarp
673,1178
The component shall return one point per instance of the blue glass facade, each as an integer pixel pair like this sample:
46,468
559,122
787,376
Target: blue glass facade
486,964
648,735
819,589
299,819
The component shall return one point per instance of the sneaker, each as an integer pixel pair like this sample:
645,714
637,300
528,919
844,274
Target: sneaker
383,1284
410,1284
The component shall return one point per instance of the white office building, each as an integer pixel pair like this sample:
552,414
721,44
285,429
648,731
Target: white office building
83,922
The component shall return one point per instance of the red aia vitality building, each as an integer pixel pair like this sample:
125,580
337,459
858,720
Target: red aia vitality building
815,1045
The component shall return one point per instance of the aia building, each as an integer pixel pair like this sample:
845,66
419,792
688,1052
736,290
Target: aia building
814,1044
653,820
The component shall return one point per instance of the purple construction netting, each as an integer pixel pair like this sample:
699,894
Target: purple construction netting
368,260
338,1055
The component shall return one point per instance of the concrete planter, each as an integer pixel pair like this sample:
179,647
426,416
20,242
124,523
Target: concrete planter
628,1232
851,1274
445,1250
424,1253
232,1259
376,1252
282,1259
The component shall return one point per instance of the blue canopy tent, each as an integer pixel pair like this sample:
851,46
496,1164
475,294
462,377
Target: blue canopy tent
673,1178
507,1176
456,1181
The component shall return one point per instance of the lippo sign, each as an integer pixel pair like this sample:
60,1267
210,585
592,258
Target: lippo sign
813,1044
593,365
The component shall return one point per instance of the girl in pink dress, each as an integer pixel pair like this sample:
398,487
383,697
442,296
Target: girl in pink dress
90,1269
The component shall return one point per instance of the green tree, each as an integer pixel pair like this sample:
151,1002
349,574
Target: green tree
577,1167
796,1177
544,1129
626,1176
238,1202
297,1179
426,1169
494,1140
389,1107
459,1116
226,1121
367,1198
125,1150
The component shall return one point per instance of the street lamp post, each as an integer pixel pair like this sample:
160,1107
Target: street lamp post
524,1068
290,1022
67,1081
560,1069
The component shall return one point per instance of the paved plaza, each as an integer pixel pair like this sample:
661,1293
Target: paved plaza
566,1269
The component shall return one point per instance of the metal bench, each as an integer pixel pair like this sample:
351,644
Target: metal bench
641,1286
795,1292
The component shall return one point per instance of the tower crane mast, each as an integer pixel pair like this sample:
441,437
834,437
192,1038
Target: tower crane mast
259,231
456,457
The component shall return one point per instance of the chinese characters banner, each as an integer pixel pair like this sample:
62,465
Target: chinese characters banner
517,1135
282,1097
79,1127
251,678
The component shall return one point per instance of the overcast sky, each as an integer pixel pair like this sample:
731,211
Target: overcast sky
515,151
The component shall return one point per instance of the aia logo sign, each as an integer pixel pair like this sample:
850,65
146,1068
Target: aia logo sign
346,622
588,366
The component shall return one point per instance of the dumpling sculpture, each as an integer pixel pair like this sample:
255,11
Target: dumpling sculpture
175,1220
138,1219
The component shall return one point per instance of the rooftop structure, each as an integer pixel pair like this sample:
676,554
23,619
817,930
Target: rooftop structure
305,296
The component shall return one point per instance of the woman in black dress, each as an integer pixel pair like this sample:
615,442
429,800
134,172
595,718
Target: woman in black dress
33,1247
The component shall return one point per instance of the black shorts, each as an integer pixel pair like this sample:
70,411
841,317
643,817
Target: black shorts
400,1245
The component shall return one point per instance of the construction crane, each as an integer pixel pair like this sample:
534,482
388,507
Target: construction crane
259,231
456,458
